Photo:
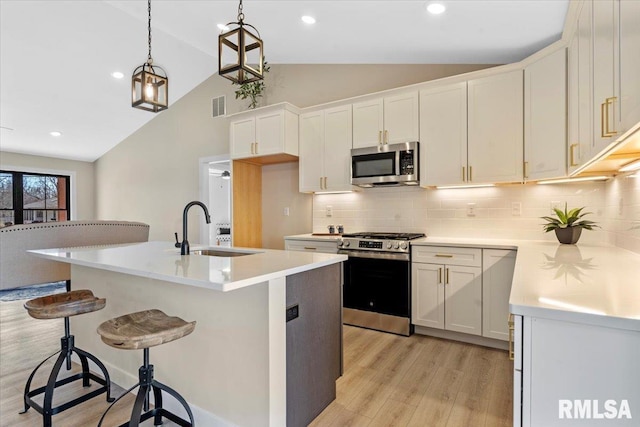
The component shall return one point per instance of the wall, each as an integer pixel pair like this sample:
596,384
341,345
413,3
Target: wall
615,206
153,173
84,206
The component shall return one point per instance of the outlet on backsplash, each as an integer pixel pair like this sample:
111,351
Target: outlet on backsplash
471,209
516,208
329,211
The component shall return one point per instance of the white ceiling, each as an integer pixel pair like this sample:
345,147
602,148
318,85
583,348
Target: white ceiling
57,56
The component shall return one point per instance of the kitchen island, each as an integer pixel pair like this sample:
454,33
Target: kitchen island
236,367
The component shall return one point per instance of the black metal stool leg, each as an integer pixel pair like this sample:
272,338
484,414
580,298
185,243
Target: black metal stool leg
136,412
48,391
180,399
27,387
100,365
116,401
157,401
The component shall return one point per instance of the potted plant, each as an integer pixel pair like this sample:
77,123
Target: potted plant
568,225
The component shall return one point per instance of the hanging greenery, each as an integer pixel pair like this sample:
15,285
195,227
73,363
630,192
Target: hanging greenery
254,90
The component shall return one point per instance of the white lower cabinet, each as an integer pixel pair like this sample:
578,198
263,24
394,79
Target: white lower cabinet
497,275
570,373
447,296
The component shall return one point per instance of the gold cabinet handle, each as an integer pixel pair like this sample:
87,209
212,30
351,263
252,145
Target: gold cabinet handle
525,168
309,248
325,182
444,256
379,137
603,132
446,276
512,328
611,101
463,177
470,174
572,159
439,274
386,136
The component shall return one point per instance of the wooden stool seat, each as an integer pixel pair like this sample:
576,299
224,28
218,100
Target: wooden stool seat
143,329
64,305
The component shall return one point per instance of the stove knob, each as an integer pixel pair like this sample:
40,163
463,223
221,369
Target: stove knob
339,242
403,245
389,245
396,245
346,243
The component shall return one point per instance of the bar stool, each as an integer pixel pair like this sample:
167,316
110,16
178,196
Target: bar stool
146,329
53,307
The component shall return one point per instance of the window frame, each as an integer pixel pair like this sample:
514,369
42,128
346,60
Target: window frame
18,192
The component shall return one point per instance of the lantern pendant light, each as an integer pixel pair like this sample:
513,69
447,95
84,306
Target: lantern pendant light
240,52
149,83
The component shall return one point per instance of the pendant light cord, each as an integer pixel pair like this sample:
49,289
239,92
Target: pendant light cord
149,59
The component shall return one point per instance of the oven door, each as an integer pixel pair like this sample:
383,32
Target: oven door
377,291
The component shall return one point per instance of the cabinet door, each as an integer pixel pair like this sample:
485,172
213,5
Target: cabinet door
495,128
545,117
270,133
497,275
629,64
321,246
337,148
463,299
311,151
427,295
605,105
367,123
243,135
443,135
401,118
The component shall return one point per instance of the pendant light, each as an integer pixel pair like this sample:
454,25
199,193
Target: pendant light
240,52
149,83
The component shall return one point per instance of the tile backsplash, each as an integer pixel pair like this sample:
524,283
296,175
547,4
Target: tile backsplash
511,211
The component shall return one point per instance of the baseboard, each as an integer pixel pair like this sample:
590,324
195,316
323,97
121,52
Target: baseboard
457,336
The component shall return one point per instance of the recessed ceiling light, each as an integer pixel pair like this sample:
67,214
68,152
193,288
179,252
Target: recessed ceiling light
436,8
117,75
222,27
55,133
308,19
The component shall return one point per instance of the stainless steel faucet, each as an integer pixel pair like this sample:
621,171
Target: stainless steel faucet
184,246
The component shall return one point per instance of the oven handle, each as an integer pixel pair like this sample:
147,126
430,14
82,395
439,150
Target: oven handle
376,255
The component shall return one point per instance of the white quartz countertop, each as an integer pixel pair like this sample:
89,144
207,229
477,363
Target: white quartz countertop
584,283
162,261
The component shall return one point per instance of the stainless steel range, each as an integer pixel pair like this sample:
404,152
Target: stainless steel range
377,281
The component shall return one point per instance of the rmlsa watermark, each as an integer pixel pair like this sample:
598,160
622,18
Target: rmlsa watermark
593,409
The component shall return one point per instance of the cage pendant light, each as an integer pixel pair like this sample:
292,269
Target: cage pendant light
149,83
241,52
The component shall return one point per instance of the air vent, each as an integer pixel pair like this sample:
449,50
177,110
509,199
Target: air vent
218,107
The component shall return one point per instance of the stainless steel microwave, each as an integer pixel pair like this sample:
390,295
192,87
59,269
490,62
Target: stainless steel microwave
385,165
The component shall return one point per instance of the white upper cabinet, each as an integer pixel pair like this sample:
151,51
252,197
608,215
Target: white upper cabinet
545,100
267,131
606,105
629,64
387,120
325,150
579,91
443,135
495,129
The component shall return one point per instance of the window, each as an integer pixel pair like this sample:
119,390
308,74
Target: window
27,198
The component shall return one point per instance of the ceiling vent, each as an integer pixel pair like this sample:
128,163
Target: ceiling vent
218,106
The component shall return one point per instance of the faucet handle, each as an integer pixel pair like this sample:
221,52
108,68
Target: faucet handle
177,244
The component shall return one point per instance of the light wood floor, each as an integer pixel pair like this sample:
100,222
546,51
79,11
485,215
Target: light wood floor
388,380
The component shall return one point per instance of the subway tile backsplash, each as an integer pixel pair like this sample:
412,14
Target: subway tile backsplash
511,211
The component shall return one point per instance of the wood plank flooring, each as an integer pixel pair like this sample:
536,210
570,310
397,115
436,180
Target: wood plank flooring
388,380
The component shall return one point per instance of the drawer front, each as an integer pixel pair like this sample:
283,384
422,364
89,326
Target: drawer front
311,246
470,257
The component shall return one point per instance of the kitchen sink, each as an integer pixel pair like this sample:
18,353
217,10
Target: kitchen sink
220,253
